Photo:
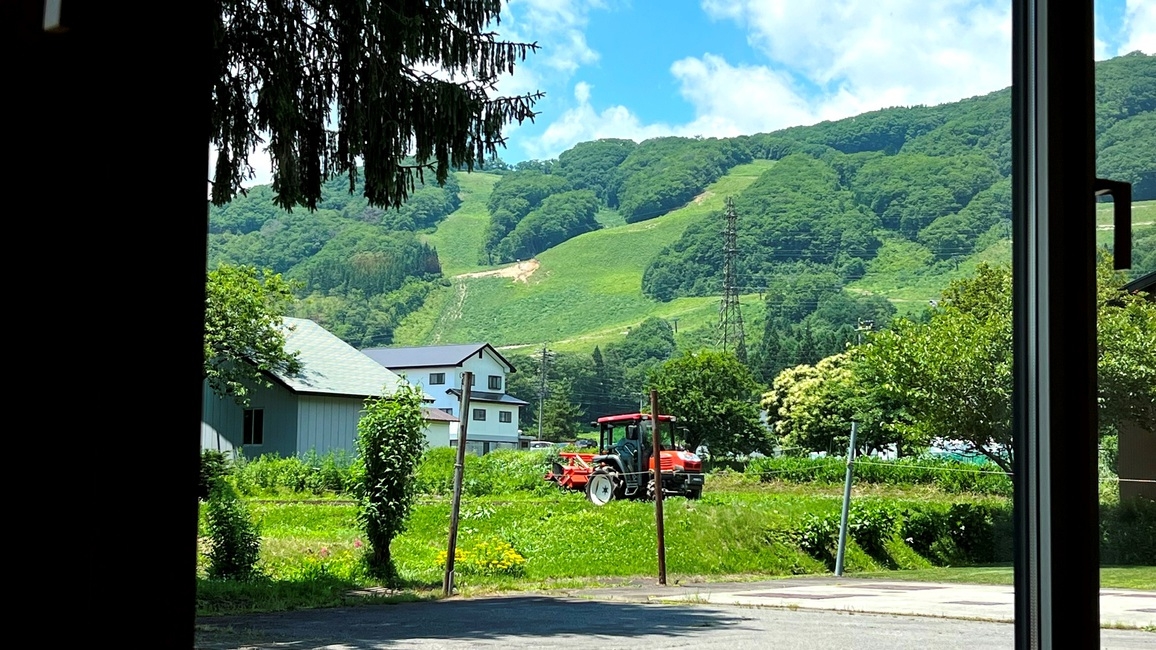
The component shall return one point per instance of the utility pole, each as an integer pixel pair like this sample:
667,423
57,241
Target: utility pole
656,458
730,316
542,390
864,326
846,503
459,469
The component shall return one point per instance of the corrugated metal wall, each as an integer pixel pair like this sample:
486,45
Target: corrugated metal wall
328,423
222,421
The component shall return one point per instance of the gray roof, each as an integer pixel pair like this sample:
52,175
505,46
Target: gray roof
330,366
430,355
484,396
430,413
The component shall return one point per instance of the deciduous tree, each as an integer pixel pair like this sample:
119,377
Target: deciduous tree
244,331
714,396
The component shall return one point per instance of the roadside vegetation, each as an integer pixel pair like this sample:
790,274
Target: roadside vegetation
518,532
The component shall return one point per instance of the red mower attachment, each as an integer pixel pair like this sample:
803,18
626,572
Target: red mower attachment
572,471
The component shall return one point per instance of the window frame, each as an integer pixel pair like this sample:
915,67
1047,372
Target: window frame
476,412
253,427
437,379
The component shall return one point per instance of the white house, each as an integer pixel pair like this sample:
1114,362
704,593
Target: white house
492,412
316,409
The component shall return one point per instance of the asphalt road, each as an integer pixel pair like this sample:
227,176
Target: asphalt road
552,622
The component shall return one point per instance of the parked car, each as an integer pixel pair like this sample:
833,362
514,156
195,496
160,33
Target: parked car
541,444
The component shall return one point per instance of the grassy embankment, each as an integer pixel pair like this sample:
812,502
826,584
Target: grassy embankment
741,529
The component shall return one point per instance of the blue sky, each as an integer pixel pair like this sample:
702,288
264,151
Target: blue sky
644,68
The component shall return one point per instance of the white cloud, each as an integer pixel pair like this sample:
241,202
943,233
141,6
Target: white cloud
582,123
558,26
1139,27
730,100
883,52
824,62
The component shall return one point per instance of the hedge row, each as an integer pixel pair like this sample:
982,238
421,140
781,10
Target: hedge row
951,476
968,533
499,472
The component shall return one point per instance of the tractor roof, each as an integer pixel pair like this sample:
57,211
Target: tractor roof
633,417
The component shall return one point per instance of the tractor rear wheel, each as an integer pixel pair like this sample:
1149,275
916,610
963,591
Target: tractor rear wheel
602,487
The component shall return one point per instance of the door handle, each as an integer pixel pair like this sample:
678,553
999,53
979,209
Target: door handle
1121,194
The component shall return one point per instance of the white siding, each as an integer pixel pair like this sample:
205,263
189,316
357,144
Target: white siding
328,423
437,433
483,367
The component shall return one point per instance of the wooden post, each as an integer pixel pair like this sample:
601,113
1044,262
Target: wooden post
459,468
656,456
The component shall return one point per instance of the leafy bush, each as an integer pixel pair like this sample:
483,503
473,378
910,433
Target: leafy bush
235,539
502,471
1128,533
949,475
923,529
214,465
817,536
962,533
871,524
312,472
390,438
972,529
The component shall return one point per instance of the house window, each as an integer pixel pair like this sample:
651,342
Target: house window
495,382
254,427
480,414
473,380
449,409
437,378
505,416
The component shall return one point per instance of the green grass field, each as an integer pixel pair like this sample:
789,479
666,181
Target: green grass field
310,550
458,239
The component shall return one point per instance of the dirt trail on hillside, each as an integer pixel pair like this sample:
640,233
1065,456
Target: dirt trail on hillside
520,272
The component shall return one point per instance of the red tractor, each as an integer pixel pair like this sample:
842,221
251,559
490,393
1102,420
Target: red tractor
624,464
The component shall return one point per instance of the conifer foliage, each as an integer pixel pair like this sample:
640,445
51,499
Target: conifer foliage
342,84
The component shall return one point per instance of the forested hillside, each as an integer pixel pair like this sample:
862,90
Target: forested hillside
837,223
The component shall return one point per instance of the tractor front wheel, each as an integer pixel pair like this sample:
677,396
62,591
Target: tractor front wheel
602,487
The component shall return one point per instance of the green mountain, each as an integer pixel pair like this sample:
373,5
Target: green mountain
839,222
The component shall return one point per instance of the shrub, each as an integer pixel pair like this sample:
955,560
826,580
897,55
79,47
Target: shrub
950,475
311,473
817,535
972,529
871,524
502,471
214,465
435,471
923,529
1128,533
235,541
390,439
